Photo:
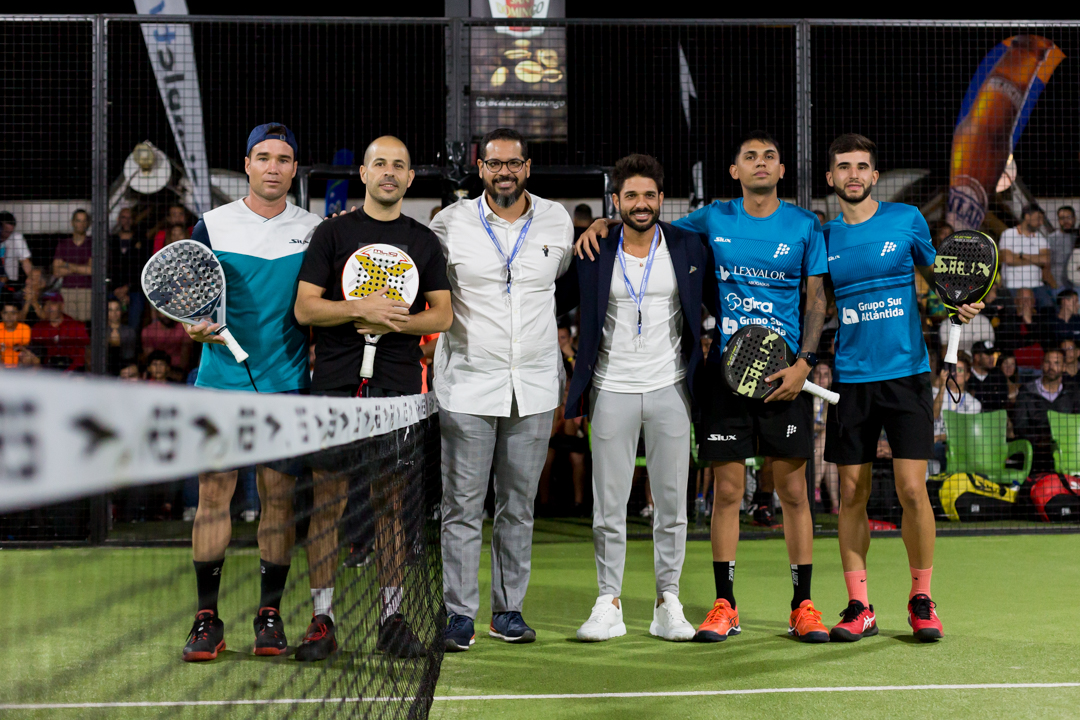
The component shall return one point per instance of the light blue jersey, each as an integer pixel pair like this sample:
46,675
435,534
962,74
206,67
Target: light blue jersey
759,264
261,258
872,266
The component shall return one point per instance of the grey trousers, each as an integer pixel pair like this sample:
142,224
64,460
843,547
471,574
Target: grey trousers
518,447
617,420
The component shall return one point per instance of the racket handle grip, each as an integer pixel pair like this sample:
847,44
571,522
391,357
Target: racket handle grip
234,347
955,329
367,368
827,395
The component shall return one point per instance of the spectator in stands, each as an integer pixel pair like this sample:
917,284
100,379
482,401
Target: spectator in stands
31,310
131,371
1007,365
127,255
1070,369
943,400
1062,243
14,335
1036,397
939,231
1067,322
61,338
1025,254
583,216
569,437
985,381
176,232
177,215
1072,268
567,348
158,367
72,262
820,217
1022,331
14,251
824,471
168,335
123,343
434,211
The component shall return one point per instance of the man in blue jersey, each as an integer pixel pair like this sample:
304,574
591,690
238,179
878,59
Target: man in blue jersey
260,242
882,375
761,249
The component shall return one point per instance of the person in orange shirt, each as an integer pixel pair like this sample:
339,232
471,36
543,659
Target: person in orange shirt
14,335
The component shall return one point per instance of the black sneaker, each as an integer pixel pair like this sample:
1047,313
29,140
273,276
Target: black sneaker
206,639
397,639
359,556
763,517
319,641
269,633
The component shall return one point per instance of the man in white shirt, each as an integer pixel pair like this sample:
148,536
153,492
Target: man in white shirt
13,250
638,351
498,380
1025,253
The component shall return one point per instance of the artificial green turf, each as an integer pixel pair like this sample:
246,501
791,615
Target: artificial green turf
1008,605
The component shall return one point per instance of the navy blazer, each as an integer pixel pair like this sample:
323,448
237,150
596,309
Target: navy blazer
688,256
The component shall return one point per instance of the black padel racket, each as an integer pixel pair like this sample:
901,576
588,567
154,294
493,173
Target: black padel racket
184,281
753,354
964,272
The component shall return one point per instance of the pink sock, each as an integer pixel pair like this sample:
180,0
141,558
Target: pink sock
856,586
920,582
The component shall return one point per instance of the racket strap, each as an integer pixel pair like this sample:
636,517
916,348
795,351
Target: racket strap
250,376
363,386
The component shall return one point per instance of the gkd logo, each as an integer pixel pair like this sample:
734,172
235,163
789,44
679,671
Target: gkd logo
781,250
889,247
850,316
748,304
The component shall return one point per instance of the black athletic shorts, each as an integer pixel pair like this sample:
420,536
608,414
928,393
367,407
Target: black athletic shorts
903,406
735,427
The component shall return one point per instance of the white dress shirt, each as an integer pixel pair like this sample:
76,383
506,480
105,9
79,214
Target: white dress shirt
621,367
502,347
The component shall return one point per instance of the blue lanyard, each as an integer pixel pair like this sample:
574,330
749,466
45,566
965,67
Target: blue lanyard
639,296
498,246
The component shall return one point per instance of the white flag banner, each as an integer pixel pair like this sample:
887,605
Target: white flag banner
172,54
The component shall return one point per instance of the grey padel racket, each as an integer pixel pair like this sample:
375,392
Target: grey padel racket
370,269
964,271
753,354
184,281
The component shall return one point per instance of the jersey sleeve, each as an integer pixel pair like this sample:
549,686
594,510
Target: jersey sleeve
433,275
318,265
695,222
815,259
201,235
922,247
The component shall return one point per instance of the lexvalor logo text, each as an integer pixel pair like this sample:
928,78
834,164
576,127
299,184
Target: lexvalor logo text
748,304
743,271
876,310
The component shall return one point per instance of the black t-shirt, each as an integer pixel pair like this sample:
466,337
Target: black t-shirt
339,350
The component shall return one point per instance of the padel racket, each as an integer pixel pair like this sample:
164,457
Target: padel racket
184,281
372,268
753,354
964,271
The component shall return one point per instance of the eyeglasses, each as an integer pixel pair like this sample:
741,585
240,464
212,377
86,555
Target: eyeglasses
495,166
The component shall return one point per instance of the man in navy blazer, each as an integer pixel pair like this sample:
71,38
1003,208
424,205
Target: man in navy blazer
638,352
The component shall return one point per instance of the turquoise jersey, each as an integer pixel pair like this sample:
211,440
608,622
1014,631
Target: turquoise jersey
759,264
261,258
872,266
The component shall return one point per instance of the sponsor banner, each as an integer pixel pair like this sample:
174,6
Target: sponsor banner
870,311
62,438
172,54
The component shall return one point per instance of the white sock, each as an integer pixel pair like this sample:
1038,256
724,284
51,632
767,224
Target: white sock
324,601
391,602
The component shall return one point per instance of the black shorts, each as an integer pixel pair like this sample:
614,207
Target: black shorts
735,427
903,406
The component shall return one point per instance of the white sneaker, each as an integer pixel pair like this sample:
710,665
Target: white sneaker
604,623
669,622
647,512
189,514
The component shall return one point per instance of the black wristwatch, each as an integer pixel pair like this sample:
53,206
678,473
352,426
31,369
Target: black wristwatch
809,357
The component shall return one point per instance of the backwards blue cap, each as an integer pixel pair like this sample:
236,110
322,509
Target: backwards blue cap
262,132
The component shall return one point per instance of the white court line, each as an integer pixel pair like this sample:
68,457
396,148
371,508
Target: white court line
566,696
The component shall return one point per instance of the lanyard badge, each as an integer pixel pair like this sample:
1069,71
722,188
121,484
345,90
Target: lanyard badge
638,297
498,246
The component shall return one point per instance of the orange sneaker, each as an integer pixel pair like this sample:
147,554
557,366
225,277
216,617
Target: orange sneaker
805,624
721,622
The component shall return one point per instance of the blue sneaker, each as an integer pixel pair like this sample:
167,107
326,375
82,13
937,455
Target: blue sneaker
511,627
459,633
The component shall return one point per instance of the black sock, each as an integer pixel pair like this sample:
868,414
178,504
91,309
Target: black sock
273,584
208,580
724,575
762,499
800,581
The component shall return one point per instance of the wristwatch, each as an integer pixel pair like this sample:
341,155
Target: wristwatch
809,357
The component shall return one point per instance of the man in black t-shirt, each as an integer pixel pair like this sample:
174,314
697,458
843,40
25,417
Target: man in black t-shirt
986,383
340,326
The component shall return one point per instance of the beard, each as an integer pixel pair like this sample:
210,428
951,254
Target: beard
505,199
853,199
630,222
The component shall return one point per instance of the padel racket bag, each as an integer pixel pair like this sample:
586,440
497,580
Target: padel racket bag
967,497
1056,497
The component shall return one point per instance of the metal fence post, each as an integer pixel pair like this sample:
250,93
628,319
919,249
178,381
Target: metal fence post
802,111
457,81
99,506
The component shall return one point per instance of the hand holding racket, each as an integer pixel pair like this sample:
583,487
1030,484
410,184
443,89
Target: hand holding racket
379,268
755,353
964,271
184,282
